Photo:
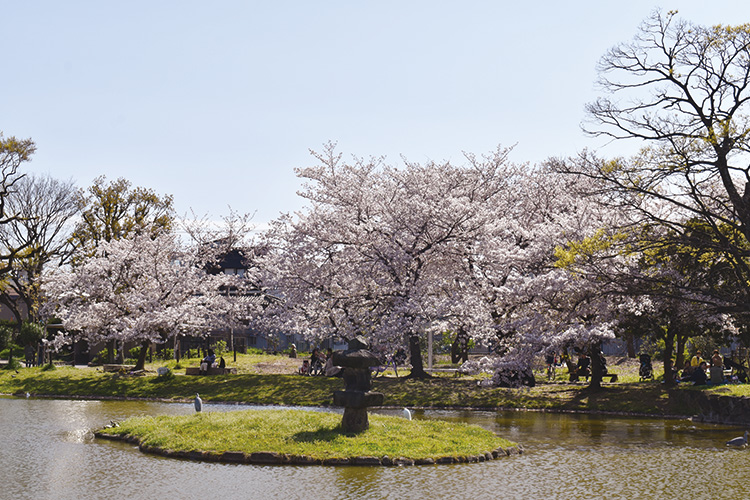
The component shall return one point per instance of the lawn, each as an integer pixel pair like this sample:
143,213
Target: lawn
272,380
305,433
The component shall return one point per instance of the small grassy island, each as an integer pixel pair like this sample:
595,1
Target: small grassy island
308,437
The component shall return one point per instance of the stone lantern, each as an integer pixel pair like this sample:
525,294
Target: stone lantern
356,396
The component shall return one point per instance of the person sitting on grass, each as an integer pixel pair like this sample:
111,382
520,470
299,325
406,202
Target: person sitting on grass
673,373
698,376
305,368
687,370
316,364
329,370
717,359
697,359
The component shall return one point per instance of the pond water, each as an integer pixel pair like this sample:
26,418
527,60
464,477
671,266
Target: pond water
47,451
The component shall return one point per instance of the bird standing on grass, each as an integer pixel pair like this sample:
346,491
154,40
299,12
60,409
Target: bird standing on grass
198,402
738,442
406,413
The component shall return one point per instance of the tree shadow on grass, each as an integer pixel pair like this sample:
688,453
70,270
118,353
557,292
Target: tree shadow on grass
324,434
628,398
436,391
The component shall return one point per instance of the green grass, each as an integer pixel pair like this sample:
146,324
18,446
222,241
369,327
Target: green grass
258,389
314,434
736,390
286,388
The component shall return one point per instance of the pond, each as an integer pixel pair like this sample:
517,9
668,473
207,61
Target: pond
47,451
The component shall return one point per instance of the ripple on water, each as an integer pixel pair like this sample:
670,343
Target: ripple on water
47,454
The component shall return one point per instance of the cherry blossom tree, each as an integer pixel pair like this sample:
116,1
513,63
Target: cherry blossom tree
378,249
241,298
137,289
512,283
114,210
394,253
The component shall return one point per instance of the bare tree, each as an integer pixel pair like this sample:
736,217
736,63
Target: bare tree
44,208
682,90
13,152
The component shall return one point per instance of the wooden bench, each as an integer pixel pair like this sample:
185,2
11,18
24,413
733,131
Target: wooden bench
196,370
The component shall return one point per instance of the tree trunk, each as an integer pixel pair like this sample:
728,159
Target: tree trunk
460,347
417,367
595,352
13,340
141,363
668,351
679,354
110,351
630,343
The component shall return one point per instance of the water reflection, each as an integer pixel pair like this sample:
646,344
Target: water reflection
47,453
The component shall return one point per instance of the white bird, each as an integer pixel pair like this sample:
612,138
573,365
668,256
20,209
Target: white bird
27,395
406,413
739,442
198,402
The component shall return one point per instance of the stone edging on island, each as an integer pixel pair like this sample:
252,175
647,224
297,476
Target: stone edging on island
272,458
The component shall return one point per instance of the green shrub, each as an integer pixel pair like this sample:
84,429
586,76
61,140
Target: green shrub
13,364
219,347
31,333
6,337
17,351
101,357
656,348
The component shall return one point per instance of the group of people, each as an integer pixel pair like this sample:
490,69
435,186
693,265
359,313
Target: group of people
209,361
699,371
320,364
583,367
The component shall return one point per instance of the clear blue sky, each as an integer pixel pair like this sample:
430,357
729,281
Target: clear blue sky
217,102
